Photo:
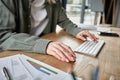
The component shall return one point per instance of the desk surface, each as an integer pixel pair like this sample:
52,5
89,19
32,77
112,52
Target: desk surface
108,60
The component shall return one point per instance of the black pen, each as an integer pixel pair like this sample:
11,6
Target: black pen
6,73
73,76
70,70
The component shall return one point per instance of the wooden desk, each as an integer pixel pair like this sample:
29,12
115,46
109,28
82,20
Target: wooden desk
108,60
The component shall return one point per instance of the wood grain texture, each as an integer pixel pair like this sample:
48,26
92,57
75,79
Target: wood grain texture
108,60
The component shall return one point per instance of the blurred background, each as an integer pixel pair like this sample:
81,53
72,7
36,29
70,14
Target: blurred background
93,12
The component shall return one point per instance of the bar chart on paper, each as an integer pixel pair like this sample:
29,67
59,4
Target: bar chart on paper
48,71
22,67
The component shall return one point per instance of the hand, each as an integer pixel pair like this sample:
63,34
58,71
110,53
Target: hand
84,34
61,51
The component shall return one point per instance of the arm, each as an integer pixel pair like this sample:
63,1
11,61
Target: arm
65,23
72,28
10,40
26,42
60,50
23,42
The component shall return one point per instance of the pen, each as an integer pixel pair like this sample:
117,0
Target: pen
70,70
6,73
95,74
73,76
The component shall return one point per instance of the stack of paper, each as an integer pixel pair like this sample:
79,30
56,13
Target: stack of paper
22,67
94,28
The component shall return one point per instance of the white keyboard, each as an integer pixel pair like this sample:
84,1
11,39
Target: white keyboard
90,48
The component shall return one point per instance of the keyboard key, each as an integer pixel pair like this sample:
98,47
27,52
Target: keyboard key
90,47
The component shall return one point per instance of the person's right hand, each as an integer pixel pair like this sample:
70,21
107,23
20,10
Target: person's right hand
61,51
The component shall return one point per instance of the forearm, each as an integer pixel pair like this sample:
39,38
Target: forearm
23,42
67,24
70,27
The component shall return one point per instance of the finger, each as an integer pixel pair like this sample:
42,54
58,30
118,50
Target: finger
68,49
57,56
91,36
60,53
82,35
65,51
82,38
95,38
55,49
53,53
68,52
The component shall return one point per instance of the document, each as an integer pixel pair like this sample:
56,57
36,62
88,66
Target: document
22,67
15,68
48,72
103,29
4,63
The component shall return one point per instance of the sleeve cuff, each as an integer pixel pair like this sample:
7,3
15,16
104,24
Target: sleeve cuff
41,45
76,31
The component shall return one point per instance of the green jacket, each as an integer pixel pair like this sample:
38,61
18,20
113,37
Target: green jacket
15,25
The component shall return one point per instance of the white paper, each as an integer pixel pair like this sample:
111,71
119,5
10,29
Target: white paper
16,70
22,67
61,75
6,64
87,27
19,72
103,29
94,28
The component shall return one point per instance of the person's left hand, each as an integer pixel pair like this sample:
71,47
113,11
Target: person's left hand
84,34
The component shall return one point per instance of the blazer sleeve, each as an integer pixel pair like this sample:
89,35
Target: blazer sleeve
65,23
10,40
23,42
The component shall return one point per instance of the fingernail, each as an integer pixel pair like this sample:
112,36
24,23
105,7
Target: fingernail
62,60
74,56
95,41
67,60
72,59
84,39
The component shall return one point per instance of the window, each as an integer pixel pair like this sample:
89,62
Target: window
74,8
